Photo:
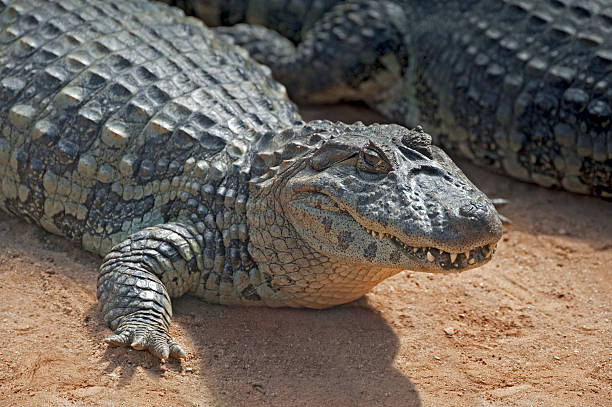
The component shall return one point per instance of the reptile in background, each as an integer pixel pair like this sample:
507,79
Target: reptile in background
519,86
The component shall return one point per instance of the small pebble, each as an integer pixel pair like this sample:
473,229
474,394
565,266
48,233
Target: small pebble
450,331
436,357
556,358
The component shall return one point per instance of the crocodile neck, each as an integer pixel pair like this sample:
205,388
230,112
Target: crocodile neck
299,275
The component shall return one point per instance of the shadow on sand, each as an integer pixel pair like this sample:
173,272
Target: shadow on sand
286,357
258,356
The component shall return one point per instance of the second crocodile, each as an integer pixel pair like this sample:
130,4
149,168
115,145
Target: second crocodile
520,86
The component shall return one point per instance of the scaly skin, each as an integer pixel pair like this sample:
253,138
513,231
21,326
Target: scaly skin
137,133
520,86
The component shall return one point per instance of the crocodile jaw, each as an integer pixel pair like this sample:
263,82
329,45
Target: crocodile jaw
335,232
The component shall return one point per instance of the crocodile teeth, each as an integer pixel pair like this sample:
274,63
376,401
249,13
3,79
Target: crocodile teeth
483,252
487,250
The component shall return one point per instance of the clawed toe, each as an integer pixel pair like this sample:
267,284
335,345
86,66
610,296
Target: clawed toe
147,337
505,220
499,202
139,343
176,351
119,339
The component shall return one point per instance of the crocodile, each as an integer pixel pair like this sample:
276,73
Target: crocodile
134,131
519,86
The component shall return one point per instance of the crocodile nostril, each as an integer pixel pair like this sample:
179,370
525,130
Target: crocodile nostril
473,209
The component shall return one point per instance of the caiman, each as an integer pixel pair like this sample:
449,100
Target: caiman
137,133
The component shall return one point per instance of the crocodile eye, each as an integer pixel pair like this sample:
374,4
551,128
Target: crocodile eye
373,160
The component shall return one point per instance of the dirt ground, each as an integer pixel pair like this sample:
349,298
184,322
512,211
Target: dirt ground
531,328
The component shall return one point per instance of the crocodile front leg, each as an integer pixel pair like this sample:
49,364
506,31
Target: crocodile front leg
264,45
137,279
339,58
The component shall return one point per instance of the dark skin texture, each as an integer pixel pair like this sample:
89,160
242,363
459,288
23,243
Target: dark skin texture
521,87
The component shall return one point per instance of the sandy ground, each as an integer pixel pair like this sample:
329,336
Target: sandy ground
531,328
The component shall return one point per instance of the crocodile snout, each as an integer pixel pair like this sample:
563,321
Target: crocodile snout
481,219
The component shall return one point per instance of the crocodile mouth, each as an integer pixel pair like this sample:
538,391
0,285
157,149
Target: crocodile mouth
443,259
431,257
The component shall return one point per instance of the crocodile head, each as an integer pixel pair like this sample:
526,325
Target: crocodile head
361,203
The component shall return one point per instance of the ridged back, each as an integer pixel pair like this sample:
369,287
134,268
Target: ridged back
113,113
524,86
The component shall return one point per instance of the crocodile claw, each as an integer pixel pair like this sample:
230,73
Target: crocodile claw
505,220
149,338
499,202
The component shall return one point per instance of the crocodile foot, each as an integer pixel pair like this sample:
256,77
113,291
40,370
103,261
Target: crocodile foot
142,336
499,203
264,45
